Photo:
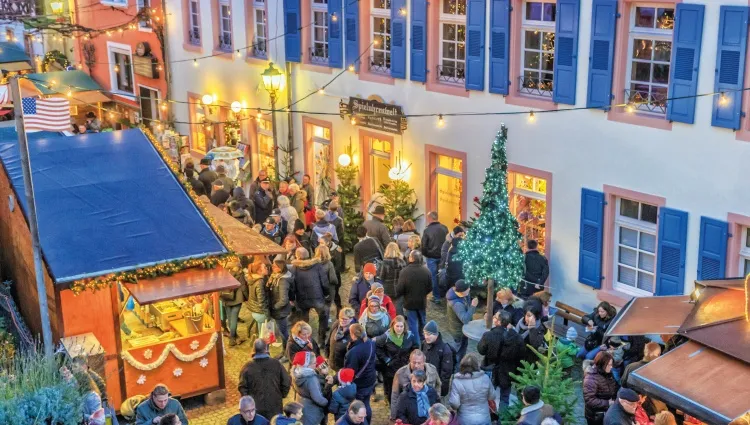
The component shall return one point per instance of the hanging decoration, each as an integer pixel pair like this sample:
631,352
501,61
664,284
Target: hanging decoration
194,345
54,57
141,380
232,131
148,354
204,363
177,372
171,348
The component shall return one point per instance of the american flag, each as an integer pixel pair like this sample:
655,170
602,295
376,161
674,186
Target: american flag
51,114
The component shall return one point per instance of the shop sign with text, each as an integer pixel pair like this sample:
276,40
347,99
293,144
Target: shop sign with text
375,115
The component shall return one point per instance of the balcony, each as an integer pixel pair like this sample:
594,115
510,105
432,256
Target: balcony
649,102
535,86
15,8
451,74
379,65
319,55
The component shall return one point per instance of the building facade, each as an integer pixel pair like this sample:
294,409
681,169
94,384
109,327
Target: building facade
635,199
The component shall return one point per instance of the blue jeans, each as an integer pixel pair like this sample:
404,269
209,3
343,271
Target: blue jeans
233,315
257,324
416,320
504,398
461,346
363,395
588,355
283,326
432,266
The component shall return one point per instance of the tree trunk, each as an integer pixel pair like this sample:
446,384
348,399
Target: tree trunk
490,299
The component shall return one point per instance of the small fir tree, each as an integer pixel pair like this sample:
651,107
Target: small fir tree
349,200
398,199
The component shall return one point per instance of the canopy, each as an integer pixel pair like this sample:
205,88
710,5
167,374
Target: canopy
107,202
651,316
696,379
13,58
242,239
85,90
189,282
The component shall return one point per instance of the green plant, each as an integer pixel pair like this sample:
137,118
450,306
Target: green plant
54,57
399,199
349,200
7,345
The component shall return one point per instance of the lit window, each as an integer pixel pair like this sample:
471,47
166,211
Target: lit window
225,26
635,247
448,182
650,47
380,61
144,4
266,158
122,70
380,157
260,48
452,42
319,49
745,252
194,36
538,53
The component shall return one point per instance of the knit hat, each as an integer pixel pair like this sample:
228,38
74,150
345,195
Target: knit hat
431,327
346,375
302,358
319,361
369,268
298,225
374,298
628,395
461,285
457,230
375,286
571,334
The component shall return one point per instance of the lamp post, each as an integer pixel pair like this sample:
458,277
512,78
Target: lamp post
272,80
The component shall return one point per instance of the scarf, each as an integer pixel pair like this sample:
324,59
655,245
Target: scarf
301,342
395,338
381,316
423,404
342,332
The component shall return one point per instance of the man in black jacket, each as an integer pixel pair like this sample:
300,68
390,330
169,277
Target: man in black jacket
432,242
503,349
207,176
196,184
266,380
622,411
376,228
537,270
414,283
439,354
263,199
219,194
366,250
312,291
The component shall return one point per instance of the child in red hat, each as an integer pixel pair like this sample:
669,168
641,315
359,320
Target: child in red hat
344,394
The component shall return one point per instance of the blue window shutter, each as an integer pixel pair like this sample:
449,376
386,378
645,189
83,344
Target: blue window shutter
670,257
351,34
686,55
476,10
712,249
499,46
398,39
566,51
592,234
335,45
292,39
601,53
418,65
730,66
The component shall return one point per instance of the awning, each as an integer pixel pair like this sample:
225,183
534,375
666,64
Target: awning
651,316
13,57
15,66
698,380
242,239
75,81
87,98
182,284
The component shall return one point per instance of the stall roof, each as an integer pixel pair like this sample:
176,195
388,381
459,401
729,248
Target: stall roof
179,285
697,379
13,57
242,239
107,202
651,316
76,81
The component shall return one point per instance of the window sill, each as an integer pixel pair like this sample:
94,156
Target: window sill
223,54
537,102
323,69
613,296
639,119
438,87
742,135
366,75
192,48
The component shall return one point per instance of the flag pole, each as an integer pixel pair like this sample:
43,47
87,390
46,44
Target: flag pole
23,149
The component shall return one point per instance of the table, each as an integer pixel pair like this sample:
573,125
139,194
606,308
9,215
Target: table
475,329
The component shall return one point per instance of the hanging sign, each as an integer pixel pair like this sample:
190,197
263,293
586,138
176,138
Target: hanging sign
376,115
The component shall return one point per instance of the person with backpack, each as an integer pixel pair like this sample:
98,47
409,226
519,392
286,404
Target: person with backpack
389,272
440,355
257,299
367,250
503,349
361,286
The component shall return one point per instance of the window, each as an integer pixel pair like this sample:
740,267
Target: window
635,247
144,4
451,68
319,49
260,48
650,47
122,71
538,48
380,165
266,157
745,252
194,29
529,205
321,155
225,26
149,102
380,62
449,188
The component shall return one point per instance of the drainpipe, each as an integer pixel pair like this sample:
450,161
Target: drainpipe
290,120
165,59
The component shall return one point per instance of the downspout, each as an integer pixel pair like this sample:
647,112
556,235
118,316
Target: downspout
290,120
165,62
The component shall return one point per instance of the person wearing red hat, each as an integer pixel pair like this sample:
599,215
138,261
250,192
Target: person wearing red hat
344,394
362,286
307,387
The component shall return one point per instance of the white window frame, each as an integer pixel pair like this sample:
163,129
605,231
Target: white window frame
377,13
225,25
654,35
542,27
194,27
744,250
115,3
154,102
641,227
145,25
458,20
316,7
260,36
123,49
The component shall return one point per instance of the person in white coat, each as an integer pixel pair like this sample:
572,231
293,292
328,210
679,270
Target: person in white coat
471,390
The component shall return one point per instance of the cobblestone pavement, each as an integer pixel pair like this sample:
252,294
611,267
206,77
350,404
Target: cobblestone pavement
235,358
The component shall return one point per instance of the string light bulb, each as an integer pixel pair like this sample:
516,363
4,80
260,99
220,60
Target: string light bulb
79,66
111,115
441,121
195,63
239,54
322,90
159,68
351,67
164,106
630,108
259,114
354,120
532,117
375,42
334,17
117,68
723,99
402,11
70,92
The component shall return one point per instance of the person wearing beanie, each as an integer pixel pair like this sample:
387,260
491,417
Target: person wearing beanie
361,286
307,388
460,311
622,411
344,395
433,237
566,348
302,235
221,172
385,301
375,318
503,349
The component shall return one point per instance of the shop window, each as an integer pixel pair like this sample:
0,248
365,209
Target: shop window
260,48
144,4
448,174
635,247
319,48
529,205
452,65
538,48
225,26
380,61
266,157
194,27
745,252
321,157
650,52
380,163
201,130
121,74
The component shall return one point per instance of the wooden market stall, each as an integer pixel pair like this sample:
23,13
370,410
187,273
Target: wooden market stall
132,260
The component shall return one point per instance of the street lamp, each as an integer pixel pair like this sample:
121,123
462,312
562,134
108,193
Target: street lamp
272,80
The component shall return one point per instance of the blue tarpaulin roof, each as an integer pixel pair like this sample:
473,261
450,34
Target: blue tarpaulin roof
106,202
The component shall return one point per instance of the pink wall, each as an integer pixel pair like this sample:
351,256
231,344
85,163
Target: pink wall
736,223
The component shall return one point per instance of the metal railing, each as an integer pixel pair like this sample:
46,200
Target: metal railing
259,49
451,74
379,66
225,43
643,101
319,56
194,36
535,86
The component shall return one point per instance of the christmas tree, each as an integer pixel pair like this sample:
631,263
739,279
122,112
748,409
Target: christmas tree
492,248
399,199
548,374
349,200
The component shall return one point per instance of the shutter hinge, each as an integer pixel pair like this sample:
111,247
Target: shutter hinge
509,83
605,203
601,277
729,235
743,114
618,16
510,8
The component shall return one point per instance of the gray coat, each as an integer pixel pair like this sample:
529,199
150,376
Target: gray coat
376,229
402,380
307,387
469,396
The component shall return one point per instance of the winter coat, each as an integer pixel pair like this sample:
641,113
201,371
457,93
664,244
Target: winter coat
432,239
503,350
275,235
536,271
391,356
345,420
337,258
341,399
311,288
600,325
407,409
459,312
358,292
257,301
403,241
289,214
440,355
414,283
598,389
616,415
284,420
279,286
566,351
536,413
386,303
389,273
533,337
628,370
307,387
263,205
402,382
219,197
444,250
337,345
516,314
226,181
147,411
362,357
197,186
239,420
238,295
454,268
365,251
469,395
322,227
207,177
267,381
376,229
330,270
292,347
375,327
338,223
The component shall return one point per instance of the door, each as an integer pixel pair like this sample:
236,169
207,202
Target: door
149,100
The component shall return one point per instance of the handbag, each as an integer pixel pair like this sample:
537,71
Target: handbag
592,341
